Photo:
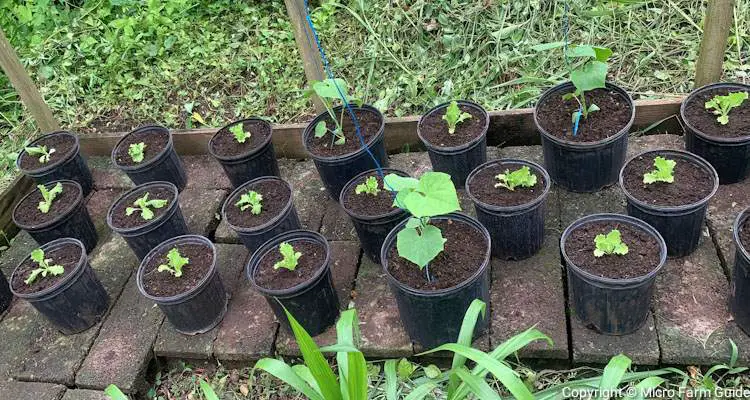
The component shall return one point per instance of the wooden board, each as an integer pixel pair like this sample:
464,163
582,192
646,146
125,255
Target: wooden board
12,195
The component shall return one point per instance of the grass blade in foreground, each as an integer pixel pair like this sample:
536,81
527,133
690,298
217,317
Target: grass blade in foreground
613,374
478,386
208,391
114,393
284,372
465,337
391,380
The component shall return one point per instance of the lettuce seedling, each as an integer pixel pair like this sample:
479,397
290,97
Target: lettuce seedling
240,135
252,200
590,75
290,257
45,267
328,92
453,116
722,105
175,264
369,187
136,151
49,196
520,177
664,171
430,196
609,244
144,205
41,151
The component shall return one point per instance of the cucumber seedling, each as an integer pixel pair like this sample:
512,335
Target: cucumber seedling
609,244
370,186
45,267
175,263
453,116
590,75
239,132
49,196
664,171
41,151
328,91
136,151
144,205
252,200
290,258
722,105
521,177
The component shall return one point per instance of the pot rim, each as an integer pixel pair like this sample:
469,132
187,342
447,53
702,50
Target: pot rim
154,223
63,216
75,150
146,163
369,218
272,221
61,285
525,206
454,149
738,222
343,157
715,139
246,155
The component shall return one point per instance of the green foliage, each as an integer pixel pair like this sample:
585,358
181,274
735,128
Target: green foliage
609,244
405,369
369,187
589,75
208,391
49,196
453,116
144,205
175,263
664,171
45,267
722,105
135,150
521,177
240,135
252,200
290,257
41,151
328,92
114,393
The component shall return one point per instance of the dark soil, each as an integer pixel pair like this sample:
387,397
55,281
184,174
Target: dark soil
692,183
369,124
745,234
67,255
164,284
643,251
462,257
434,128
155,141
367,204
63,145
555,116
312,259
275,197
121,220
224,144
705,120
482,186
28,212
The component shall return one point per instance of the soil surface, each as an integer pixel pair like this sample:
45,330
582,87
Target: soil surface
555,116
462,256
224,144
434,128
155,141
312,259
164,284
28,212
705,120
692,183
482,186
67,255
643,251
121,220
369,124
63,145
275,197
367,204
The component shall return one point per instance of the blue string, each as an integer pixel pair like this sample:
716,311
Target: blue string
566,29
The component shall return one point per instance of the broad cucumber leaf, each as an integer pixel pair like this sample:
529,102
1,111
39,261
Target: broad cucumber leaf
420,249
591,76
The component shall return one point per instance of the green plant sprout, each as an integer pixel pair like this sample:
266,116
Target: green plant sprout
430,196
48,196
590,75
45,267
240,135
175,264
453,116
144,205
290,259
41,151
252,200
136,151
609,244
369,187
722,105
664,171
328,92
520,177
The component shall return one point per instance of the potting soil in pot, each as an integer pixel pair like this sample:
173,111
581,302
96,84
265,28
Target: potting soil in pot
224,143
369,125
155,140
67,255
164,284
482,186
312,259
705,120
368,204
28,214
434,128
62,144
120,218
554,116
692,183
275,197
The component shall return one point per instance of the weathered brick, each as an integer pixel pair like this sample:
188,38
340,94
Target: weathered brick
30,391
590,347
201,209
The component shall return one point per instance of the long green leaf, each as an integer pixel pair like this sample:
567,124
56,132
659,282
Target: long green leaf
465,337
556,391
391,380
284,372
644,386
208,391
303,372
421,391
478,386
357,379
345,335
613,374
115,393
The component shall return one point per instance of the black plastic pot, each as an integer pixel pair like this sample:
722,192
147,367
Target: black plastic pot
259,162
201,308
6,296
165,166
611,306
434,317
144,238
372,229
739,299
254,237
517,232
457,161
336,171
680,226
729,156
72,167
77,302
314,304
76,223
584,166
